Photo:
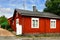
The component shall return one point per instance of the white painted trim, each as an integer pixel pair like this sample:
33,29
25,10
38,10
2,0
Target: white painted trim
50,23
18,27
32,22
52,19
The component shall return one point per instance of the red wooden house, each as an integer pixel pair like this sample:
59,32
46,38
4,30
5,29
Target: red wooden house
31,22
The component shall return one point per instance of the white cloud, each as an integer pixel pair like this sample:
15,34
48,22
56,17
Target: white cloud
41,10
8,12
6,15
5,10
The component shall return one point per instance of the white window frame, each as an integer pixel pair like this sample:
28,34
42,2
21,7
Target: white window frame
17,21
35,22
54,20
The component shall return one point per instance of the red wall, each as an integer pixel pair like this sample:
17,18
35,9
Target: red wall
49,30
44,25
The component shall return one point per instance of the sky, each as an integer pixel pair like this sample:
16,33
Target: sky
7,7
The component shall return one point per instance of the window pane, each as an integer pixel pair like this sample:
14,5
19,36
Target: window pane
33,23
54,23
36,23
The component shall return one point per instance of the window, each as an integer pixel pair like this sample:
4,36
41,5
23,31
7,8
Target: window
35,22
17,21
13,22
52,23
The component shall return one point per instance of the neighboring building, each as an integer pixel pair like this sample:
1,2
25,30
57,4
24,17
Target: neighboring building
9,20
34,22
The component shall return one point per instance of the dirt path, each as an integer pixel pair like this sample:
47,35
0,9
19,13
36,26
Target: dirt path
4,32
10,36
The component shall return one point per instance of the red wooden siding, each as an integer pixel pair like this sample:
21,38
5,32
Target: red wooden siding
26,23
49,30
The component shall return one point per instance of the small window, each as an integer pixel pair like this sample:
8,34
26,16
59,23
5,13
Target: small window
17,21
52,23
13,22
35,23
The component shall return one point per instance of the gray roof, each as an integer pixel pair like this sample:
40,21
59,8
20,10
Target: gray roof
37,14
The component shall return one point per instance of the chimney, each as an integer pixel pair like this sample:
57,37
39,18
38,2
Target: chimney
34,9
